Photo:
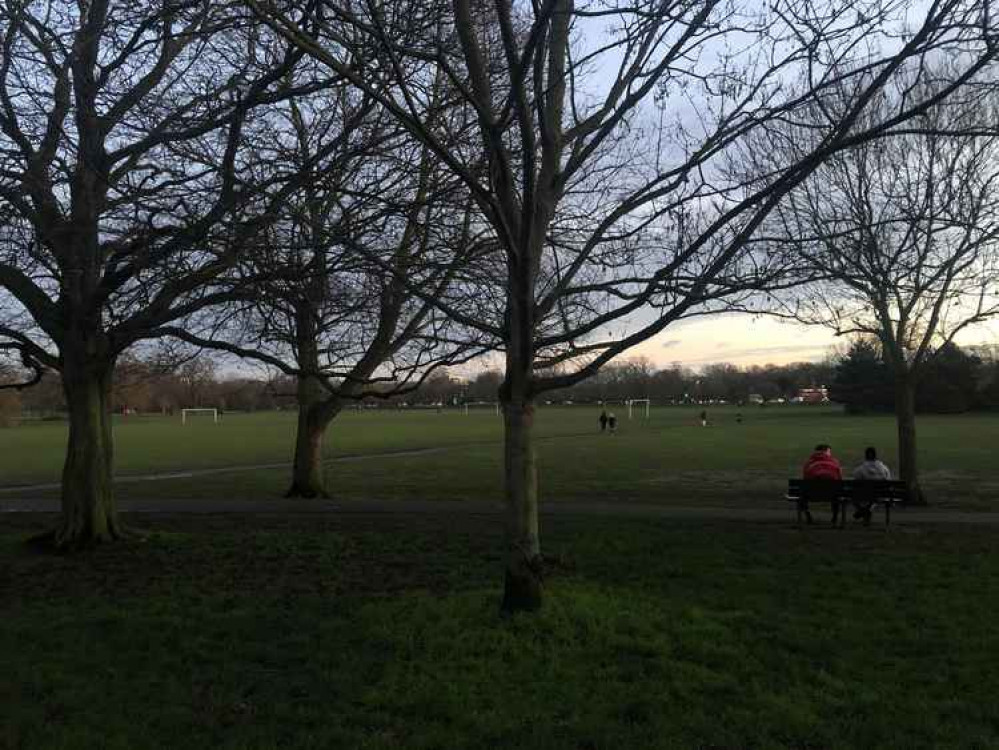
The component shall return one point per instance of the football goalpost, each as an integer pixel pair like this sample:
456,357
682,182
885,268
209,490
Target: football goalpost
633,402
185,412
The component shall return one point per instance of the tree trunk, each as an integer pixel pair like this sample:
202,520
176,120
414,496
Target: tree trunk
905,415
314,416
522,588
89,515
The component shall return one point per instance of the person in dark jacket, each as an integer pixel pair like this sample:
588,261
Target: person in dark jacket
821,464
603,420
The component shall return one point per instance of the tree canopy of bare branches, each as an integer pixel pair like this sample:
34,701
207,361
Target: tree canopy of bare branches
900,237
346,277
129,155
603,126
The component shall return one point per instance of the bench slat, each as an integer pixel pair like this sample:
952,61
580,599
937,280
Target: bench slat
827,490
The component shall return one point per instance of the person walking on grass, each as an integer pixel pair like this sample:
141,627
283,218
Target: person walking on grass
612,422
704,419
821,464
603,420
869,470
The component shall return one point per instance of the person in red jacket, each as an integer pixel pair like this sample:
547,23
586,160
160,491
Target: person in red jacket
821,465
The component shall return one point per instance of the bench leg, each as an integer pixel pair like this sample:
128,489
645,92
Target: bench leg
802,506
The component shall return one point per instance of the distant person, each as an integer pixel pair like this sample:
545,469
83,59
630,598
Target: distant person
704,419
738,418
821,464
603,420
612,422
870,470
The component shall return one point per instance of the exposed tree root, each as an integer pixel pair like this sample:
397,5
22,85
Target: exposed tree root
63,540
306,492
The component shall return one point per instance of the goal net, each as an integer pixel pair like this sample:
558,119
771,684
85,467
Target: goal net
186,414
637,404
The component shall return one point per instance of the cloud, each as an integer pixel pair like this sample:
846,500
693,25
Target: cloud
670,343
761,352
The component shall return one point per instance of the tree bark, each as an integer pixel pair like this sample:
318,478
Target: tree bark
314,416
89,514
905,416
522,591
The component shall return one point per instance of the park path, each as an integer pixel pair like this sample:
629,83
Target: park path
10,502
191,473
14,489
622,509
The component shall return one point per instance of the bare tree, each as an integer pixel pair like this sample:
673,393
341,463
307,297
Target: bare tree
127,161
901,237
346,274
604,191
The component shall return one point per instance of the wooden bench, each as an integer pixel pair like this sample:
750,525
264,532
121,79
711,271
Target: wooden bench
841,492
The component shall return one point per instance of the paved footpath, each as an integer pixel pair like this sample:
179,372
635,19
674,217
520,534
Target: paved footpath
451,507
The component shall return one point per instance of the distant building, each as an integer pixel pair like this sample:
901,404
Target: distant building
817,395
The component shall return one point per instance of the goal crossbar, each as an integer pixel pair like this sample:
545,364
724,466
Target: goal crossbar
185,412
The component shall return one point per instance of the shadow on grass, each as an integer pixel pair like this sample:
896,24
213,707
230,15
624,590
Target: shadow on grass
384,633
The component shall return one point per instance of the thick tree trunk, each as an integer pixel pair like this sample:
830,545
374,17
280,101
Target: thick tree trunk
523,584
89,515
905,416
314,416
307,469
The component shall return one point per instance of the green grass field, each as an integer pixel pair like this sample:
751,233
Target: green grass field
383,633
667,459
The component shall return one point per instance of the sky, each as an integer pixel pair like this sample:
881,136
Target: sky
745,340
742,340
739,339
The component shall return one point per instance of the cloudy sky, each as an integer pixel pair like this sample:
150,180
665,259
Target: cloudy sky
743,341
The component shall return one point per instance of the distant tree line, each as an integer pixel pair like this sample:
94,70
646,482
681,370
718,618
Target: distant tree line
955,380
677,384
147,387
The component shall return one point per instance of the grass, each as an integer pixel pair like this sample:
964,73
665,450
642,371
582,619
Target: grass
365,632
667,459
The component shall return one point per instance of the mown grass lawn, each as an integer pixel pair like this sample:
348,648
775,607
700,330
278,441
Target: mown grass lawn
667,459
376,632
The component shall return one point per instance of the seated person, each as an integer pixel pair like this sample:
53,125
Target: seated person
870,470
821,465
